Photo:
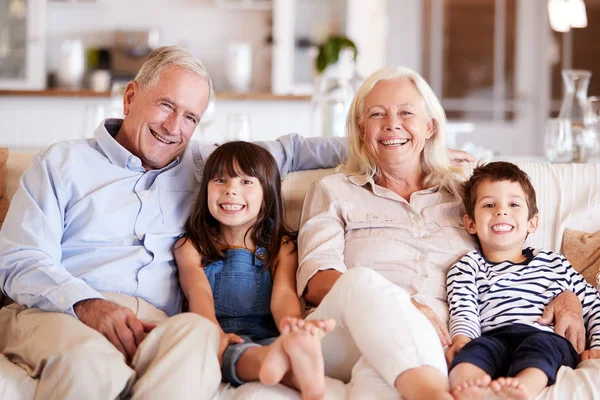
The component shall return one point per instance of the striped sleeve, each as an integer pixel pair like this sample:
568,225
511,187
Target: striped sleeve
590,303
462,298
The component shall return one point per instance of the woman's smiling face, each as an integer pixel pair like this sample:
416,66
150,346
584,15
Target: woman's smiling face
394,125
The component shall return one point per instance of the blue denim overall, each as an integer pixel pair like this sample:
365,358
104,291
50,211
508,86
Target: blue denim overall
242,289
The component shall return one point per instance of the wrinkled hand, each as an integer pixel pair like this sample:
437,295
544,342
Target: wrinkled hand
439,326
458,342
459,156
589,355
118,324
226,340
313,326
565,309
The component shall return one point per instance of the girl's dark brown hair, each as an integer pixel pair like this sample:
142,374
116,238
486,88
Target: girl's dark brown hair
233,159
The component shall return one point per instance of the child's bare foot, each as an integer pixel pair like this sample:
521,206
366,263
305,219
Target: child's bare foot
509,389
325,325
306,359
276,364
473,389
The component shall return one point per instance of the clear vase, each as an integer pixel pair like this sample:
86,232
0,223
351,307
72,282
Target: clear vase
573,111
333,96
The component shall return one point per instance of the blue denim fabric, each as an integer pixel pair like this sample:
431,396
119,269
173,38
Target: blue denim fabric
232,354
242,289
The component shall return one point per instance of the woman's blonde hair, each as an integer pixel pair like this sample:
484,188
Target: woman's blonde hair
170,56
437,169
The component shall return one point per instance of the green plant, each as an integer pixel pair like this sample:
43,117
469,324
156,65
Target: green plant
329,51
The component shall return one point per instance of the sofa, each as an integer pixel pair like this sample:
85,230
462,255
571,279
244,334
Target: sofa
569,204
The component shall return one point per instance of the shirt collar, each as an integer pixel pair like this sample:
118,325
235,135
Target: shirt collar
117,154
362,180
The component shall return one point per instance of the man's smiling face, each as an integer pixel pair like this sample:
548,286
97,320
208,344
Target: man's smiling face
160,120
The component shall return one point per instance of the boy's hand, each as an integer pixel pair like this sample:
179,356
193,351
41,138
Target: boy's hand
226,340
589,355
458,342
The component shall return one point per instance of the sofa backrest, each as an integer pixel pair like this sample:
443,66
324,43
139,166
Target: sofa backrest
568,196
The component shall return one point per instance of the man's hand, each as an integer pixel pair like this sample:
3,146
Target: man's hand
458,342
565,309
118,324
459,156
439,326
589,355
226,340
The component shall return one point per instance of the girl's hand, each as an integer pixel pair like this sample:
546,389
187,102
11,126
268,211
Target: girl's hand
226,340
458,342
589,355
439,326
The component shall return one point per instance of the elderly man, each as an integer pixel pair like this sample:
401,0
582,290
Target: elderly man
85,250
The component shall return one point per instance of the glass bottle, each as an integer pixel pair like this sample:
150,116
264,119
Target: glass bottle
574,110
335,91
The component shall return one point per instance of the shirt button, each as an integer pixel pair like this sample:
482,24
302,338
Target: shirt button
421,257
62,300
425,235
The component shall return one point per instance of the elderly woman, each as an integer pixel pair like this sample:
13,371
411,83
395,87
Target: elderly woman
377,240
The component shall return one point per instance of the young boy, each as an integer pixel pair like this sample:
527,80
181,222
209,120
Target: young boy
497,294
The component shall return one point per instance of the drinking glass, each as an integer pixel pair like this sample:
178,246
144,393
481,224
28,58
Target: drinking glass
237,128
558,141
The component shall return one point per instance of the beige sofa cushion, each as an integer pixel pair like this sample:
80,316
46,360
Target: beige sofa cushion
3,197
582,249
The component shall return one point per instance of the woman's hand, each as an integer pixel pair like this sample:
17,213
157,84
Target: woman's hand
226,340
589,355
459,156
565,309
439,326
458,342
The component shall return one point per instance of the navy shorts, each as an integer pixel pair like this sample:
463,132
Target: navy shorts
508,350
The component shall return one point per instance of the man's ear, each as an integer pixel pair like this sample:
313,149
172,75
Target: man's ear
129,95
469,224
532,224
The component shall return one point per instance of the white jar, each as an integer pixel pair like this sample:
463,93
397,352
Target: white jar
71,64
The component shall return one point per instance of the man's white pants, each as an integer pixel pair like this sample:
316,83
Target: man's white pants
177,360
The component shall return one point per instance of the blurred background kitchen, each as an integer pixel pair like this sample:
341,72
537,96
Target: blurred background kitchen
497,65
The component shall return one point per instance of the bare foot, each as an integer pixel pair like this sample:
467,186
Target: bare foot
509,389
306,359
276,363
473,389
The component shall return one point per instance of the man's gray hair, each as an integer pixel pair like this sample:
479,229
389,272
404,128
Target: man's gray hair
171,56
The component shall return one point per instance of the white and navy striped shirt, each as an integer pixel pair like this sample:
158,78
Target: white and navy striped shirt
483,295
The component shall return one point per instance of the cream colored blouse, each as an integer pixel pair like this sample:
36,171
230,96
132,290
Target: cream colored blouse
350,221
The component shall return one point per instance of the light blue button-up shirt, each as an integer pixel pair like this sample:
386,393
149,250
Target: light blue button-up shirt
87,218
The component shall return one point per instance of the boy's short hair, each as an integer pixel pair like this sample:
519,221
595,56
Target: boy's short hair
495,172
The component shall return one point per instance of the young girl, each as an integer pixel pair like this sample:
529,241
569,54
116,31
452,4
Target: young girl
237,267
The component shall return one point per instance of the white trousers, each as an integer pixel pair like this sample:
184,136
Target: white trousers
177,360
376,321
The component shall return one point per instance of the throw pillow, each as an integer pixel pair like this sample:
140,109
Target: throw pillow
582,249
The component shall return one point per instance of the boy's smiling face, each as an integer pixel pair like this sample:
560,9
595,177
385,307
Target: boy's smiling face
501,220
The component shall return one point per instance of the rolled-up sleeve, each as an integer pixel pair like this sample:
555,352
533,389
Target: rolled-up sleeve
321,237
31,272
